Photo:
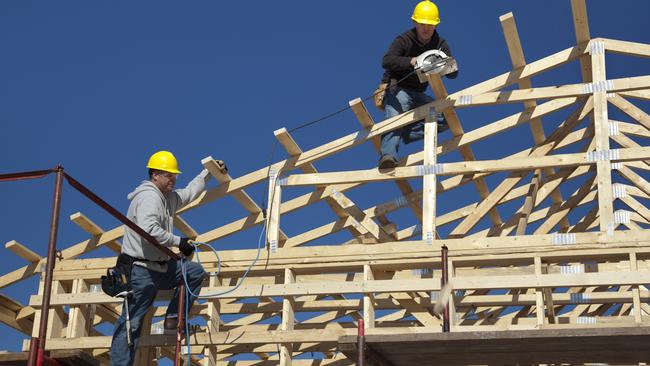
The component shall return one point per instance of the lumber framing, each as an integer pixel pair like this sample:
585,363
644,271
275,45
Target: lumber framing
549,245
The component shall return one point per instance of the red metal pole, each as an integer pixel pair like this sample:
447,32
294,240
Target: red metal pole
445,279
361,344
37,346
181,323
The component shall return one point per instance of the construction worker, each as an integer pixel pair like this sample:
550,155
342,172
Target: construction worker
398,63
153,206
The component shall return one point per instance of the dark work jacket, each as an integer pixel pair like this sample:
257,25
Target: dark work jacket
397,60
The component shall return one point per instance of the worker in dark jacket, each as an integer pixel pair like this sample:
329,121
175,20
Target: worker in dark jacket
399,63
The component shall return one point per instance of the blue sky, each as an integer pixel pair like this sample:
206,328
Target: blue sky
99,86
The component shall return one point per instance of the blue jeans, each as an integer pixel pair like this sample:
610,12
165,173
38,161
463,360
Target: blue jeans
397,101
145,284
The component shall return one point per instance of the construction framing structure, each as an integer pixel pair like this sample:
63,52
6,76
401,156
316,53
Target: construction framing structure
548,266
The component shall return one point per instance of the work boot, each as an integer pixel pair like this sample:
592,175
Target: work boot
387,162
171,322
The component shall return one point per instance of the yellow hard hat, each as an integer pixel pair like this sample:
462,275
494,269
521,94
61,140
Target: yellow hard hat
165,161
426,12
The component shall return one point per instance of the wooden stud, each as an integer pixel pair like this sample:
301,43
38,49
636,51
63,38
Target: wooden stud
601,129
368,299
288,319
429,179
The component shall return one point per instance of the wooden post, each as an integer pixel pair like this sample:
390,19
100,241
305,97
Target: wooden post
79,320
601,131
636,298
288,318
273,214
368,299
539,296
213,324
429,178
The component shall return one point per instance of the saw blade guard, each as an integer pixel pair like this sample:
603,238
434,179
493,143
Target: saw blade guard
434,62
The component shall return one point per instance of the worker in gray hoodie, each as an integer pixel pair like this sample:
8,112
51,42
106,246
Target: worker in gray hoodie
153,206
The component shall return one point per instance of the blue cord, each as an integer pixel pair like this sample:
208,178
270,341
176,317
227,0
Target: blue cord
189,292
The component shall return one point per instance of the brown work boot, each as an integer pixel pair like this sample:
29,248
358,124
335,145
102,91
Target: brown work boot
171,322
387,162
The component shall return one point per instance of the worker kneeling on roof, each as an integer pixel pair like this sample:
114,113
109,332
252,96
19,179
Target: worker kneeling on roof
153,206
403,89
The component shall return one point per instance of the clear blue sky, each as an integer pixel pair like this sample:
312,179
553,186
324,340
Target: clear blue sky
99,86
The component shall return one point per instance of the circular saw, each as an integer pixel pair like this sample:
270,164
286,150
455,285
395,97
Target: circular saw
434,62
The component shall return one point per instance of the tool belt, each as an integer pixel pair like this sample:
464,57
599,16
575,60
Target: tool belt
379,94
118,279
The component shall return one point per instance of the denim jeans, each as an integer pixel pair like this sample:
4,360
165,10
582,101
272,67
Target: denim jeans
397,101
145,284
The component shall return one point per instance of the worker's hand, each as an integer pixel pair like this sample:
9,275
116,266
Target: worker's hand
222,166
414,61
185,247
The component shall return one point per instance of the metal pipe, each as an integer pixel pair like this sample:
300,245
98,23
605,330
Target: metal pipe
51,252
181,323
361,344
445,279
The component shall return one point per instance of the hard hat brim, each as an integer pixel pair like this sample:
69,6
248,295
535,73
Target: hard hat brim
173,171
426,21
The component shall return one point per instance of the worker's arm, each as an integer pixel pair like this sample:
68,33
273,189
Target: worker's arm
148,217
396,58
192,190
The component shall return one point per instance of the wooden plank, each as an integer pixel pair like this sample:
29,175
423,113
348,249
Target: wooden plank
23,252
184,227
93,229
529,203
631,110
273,215
581,26
627,47
288,318
637,180
429,180
368,299
372,175
601,130
522,95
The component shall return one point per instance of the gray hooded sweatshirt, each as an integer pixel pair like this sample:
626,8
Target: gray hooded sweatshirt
154,212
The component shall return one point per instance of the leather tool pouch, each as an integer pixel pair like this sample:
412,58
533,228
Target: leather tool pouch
379,94
118,278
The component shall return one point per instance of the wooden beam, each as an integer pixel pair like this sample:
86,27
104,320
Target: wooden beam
184,227
581,26
288,318
23,252
601,130
631,110
627,47
429,180
93,229
559,160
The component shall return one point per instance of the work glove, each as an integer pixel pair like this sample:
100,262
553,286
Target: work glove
185,247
